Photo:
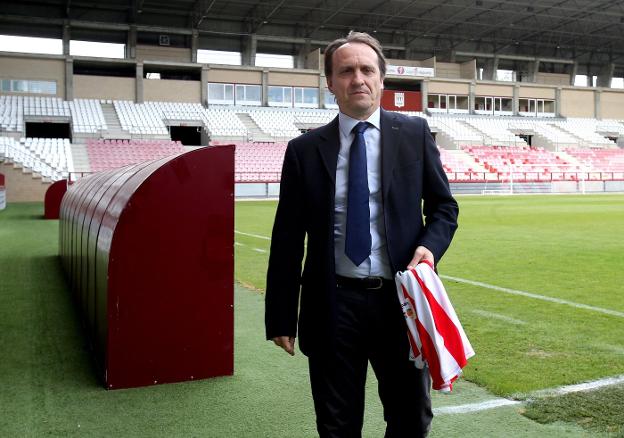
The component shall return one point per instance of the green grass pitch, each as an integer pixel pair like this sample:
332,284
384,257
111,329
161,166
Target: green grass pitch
566,247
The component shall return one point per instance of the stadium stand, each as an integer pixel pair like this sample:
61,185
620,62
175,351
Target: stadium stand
473,148
524,163
452,134
85,114
109,154
286,124
11,113
600,160
50,158
259,162
585,131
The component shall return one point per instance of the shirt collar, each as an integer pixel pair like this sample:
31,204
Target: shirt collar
347,123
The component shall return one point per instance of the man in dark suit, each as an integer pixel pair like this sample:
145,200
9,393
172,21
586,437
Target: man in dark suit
358,189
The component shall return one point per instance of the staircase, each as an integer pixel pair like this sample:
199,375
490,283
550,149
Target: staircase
80,157
112,122
256,134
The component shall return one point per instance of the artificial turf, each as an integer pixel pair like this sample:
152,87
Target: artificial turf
49,386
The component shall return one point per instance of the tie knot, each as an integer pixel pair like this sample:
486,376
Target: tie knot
361,127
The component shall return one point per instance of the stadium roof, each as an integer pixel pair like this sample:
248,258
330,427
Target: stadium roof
590,33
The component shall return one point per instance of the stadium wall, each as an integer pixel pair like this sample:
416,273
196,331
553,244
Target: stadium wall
104,87
22,187
313,60
35,68
469,69
225,75
571,101
160,53
443,87
294,79
536,92
161,90
271,190
611,104
448,70
552,78
494,90
577,103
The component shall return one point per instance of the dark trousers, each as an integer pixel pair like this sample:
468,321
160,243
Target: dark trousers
369,327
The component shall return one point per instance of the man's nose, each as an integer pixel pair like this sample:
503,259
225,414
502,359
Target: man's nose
358,77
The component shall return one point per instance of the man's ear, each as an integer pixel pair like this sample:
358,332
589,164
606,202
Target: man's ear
329,84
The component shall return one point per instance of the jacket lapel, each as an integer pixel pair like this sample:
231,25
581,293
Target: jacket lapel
390,129
329,146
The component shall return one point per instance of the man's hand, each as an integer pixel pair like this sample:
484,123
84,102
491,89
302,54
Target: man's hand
421,254
287,343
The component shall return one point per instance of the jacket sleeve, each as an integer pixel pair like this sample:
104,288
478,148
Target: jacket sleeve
439,207
287,247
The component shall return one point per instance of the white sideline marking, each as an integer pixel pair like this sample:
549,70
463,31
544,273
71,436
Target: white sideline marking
257,236
536,296
586,386
475,407
498,316
611,348
259,250
500,402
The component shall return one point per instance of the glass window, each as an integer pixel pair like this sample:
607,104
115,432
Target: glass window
229,92
222,94
20,86
6,85
42,87
330,100
248,94
215,91
280,96
306,97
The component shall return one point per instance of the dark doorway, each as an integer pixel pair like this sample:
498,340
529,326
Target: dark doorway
187,135
48,130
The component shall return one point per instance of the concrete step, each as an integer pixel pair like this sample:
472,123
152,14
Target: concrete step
112,122
256,132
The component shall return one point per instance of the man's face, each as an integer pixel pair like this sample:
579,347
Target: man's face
356,80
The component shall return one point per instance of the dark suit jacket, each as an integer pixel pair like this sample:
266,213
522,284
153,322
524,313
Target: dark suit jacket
413,185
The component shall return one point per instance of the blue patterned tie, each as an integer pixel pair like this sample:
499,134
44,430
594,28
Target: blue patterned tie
358,237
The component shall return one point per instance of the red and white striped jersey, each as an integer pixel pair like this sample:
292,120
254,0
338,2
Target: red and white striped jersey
435,334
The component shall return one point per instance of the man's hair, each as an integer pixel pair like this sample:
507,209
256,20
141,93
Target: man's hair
354,37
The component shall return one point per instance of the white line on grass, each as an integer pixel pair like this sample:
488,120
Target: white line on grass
498,316
500,402
257,236
475,407
535,296
586,386
611,348
263,251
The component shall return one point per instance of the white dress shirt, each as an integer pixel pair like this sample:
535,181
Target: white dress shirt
377,263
